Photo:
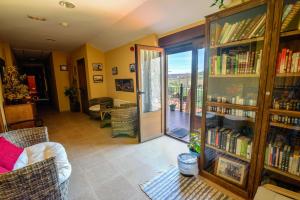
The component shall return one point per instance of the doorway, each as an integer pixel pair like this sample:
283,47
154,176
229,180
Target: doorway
83,86
179,77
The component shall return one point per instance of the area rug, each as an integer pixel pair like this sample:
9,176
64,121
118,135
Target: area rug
171,185
179,132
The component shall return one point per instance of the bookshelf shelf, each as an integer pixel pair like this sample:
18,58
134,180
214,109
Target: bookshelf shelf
238,43
227,153
286,174
295,74
290,33
235,76
233,106
285,112
242,118
280,125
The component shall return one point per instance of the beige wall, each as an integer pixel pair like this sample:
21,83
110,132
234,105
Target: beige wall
61,79
121,57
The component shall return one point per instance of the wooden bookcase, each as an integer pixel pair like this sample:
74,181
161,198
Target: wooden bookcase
238,42
251,112
279,146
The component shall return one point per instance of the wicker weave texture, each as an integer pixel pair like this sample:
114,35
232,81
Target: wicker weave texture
36,181
27,137
124,121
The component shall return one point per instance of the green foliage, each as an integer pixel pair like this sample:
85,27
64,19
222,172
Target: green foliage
195,144
13,86
70,92
219,3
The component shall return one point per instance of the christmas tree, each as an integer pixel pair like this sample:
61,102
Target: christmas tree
13,86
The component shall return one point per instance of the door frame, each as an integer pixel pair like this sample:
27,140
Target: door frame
79,86
193,46
137,56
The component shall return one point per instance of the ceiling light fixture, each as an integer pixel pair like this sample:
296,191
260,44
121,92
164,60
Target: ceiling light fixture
36,18
50,39
66,4
64,24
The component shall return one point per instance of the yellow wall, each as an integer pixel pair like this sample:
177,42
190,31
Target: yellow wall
61,79
121,57
91,55
94,55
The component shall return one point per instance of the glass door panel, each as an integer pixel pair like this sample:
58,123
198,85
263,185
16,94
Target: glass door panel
234,65
282,153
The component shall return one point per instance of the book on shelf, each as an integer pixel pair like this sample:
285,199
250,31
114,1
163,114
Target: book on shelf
235,62
288,61
290,17
230,141
283,157
244,29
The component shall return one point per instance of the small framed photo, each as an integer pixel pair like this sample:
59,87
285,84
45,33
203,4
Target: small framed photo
98,78
97,66
132,67
63,68
114,70
233,171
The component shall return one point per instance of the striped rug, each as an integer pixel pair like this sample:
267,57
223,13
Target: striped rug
171,185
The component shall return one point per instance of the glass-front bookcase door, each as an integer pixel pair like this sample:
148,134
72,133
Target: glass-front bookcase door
282,148
234,65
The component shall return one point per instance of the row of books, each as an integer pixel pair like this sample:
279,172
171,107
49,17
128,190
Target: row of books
283,157
233,112
243,29
290,15
230,141
286,104
286,120
235,62
288,61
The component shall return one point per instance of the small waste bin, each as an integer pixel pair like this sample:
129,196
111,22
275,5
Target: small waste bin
188,164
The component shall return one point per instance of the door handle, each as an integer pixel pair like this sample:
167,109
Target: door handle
140,92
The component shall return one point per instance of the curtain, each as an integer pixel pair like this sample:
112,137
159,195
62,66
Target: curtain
151,73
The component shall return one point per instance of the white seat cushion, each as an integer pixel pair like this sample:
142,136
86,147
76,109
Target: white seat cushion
42,151
95,108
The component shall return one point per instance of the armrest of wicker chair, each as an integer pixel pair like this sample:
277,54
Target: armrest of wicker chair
36,181
27,137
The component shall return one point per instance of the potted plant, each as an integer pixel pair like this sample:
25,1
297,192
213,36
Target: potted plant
195,144
71,92
172,106
15,91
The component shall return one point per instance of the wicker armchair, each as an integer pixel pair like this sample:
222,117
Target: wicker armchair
124,120
102,103
35,181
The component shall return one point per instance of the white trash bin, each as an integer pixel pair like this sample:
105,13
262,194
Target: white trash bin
188,164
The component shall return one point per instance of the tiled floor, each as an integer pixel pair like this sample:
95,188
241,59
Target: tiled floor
106,168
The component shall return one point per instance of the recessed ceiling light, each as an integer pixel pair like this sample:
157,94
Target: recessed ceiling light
64,24
66,4
50,39
36,18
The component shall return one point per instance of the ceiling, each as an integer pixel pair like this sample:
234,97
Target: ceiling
105,24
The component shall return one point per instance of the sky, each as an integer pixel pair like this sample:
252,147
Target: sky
181,63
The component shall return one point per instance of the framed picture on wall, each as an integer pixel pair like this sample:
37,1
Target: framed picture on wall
231,170
132,67
98,78
97,66
114,70
63,68
125,85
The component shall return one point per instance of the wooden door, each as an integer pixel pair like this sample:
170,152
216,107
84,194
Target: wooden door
150,90
83,86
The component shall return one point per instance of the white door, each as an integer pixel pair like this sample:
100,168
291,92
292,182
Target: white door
150,91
